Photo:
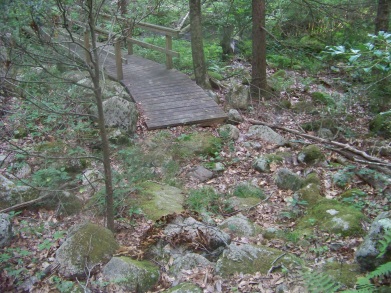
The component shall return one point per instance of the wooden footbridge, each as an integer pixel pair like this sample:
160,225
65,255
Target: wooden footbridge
166,96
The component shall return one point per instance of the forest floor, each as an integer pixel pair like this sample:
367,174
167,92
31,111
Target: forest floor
38,233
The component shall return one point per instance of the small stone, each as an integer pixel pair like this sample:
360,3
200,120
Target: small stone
234,116
201,173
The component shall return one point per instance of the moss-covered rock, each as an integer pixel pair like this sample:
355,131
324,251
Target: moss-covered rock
238,225
262,164
241,203
333,217
321,123
310,193
311,154
381,124
342,273
312,43
248,190
249,259
285,179
157,200
12,194
184,288
312,178
353,193
198,143
86,246
133,275
322,98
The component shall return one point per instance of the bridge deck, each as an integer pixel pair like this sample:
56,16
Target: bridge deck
167,97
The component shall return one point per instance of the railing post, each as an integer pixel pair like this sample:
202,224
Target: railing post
168,48
87,46
118,59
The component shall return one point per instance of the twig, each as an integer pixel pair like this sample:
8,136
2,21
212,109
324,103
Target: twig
24,204
326,141
272,268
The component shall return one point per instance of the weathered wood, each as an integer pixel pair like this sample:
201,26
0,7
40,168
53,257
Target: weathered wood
87,46
118,59
168,51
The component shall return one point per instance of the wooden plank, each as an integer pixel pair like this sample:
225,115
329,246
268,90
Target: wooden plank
172,114
154,47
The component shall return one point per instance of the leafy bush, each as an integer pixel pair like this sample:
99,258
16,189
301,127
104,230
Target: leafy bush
247,190
205,199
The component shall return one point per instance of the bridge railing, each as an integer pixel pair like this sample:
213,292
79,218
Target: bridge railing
168,32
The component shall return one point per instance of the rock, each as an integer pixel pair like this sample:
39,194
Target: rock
367,253
188,230
241,203
92,178
133,275
310,155
86,246
333,217
238,225
11,194
228,132
184,288
118,136
342,272
201,173
234,117
310,193
213,95
119,113
249,259
238,96
158,200
24,171
5,230
354,192
188,261
217,167
312,178
325,133
267,134
285,179
198,143
262,164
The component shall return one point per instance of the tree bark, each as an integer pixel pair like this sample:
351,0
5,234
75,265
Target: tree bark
197,47
123,6
258,75
382,16
95,76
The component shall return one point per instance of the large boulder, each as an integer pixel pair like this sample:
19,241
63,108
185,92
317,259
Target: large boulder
189,231
120,113
266,134
188,261
287,180
5,230
228,132
238,97
11,194
133,275
249,259
333,217
367,254
86,246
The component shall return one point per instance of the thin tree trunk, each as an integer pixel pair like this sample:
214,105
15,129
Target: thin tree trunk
197,47
258,75
95,75
382,16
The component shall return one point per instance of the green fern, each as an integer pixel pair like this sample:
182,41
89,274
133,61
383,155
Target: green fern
385,242
381,271
317,282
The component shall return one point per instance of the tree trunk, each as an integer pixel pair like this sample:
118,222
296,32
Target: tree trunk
383,16
197,47
226,42
123,6
258,75
95,76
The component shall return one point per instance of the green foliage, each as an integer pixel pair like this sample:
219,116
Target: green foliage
385,242
343,177
318,282
205,199
62,285
49,177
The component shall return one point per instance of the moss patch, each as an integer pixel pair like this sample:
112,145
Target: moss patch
199,143
342,273
310,193
311,154
332,216
353,193
250,259
381,125
157,200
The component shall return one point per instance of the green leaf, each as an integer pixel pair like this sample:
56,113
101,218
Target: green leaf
354,58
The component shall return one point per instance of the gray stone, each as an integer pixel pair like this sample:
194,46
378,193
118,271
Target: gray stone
24,171
189,261
262,165
229,131
119,113
86,247
201,173
238,96
238,225
133,275
5,230
11,194
266,134
218,167
234,116
189,229
325,133
184,288
285,179
311,154
367,253
249,259
92,178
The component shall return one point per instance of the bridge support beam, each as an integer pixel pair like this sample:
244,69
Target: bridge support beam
118,59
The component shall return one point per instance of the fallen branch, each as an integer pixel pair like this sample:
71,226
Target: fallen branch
24,204
325,141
